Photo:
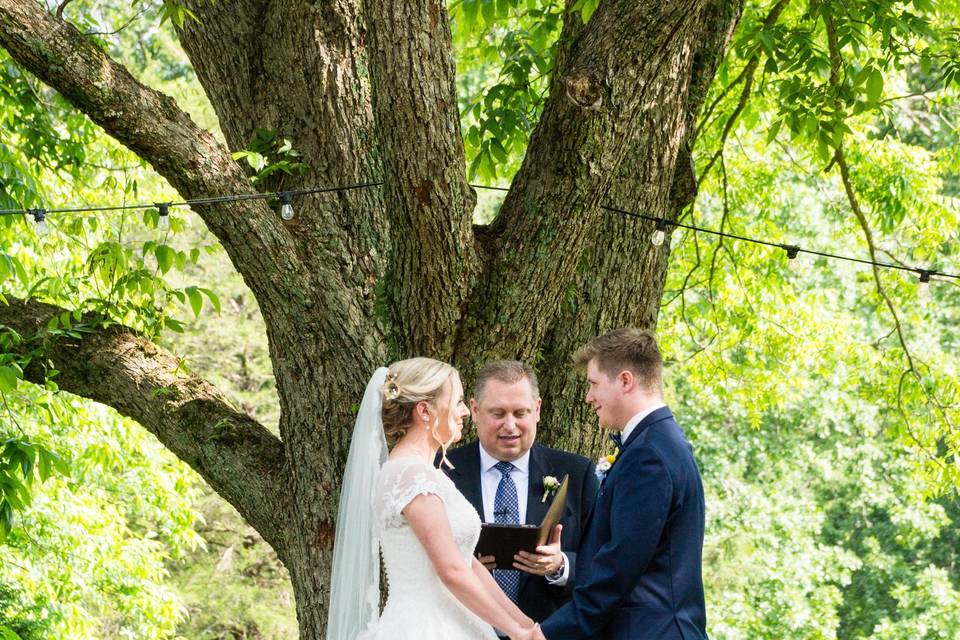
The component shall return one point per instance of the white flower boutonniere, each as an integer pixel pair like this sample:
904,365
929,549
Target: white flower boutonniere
550,484
604,464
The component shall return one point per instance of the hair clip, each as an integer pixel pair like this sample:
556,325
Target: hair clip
391,390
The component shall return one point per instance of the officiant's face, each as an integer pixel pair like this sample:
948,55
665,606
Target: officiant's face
506,416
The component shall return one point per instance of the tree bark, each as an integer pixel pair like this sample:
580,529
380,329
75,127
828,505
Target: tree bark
361,278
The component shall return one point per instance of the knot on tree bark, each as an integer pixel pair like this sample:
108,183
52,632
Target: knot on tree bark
584,89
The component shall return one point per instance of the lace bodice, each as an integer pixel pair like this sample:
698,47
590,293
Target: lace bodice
418,604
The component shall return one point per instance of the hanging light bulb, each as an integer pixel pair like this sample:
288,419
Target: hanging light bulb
660,233
163,222
286,205
792,252
40,218
923,289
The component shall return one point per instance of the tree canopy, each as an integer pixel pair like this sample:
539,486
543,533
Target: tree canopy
828,125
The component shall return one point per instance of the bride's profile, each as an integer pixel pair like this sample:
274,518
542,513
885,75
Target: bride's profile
401,504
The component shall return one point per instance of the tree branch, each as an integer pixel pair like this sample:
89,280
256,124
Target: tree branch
620,85
427,197
151,125
115,366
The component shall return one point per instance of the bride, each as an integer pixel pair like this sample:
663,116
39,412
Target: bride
405,507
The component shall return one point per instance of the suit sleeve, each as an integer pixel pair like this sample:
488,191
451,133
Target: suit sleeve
640,504
588,496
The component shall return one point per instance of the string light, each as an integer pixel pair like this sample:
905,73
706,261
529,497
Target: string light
287,213
286,205
792,252
923,287
786,247
163,222
40,218
660,233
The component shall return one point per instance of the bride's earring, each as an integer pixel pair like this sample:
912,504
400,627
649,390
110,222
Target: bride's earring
427,425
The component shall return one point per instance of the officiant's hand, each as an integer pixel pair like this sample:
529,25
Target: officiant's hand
490,562
546,561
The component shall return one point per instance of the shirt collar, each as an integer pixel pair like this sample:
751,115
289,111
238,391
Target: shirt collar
637,419
487,461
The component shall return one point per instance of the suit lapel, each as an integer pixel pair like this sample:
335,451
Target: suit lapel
640,430
538,468
535,510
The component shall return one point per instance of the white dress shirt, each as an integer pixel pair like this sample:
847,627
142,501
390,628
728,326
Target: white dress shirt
637,419
490,480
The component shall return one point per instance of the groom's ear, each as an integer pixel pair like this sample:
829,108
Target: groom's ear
627,380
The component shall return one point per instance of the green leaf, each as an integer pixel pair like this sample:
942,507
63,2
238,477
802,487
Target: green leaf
8,379
488,10
587,8
165,257
173,325
874,85
6,633
214,299
6,519
44,465
774,130
196,300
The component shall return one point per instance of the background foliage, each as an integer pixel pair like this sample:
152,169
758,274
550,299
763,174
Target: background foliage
821,397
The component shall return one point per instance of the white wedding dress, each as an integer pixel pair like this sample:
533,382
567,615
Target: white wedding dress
419,606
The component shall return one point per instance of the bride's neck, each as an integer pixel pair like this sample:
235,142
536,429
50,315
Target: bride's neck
416,442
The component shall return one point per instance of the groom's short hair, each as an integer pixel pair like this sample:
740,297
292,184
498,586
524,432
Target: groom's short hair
626,348
507,372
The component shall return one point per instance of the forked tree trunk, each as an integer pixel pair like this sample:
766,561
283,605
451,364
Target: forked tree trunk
360,278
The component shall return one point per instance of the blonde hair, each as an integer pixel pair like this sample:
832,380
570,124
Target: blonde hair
408,383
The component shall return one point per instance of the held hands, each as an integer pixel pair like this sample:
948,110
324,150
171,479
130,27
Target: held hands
533,633
546,561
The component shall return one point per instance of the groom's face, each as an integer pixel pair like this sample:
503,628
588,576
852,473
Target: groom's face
606,396
506,416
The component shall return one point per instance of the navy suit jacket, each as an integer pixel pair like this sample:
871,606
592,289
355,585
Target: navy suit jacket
538,598
639,565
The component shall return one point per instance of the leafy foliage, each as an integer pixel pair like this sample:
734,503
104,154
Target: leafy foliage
505,58
822,400
271,158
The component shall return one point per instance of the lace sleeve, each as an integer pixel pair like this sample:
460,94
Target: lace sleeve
401,482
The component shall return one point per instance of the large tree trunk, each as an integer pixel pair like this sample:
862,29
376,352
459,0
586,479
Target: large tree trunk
363,277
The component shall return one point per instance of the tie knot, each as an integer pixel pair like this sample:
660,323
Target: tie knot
504,467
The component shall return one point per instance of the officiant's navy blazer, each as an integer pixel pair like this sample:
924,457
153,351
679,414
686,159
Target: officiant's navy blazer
538,598
639,566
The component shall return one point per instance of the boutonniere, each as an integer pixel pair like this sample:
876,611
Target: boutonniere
604,464
550,485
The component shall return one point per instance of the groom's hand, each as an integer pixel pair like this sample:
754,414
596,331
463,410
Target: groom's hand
546,561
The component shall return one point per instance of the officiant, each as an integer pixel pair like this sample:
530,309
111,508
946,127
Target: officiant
509,478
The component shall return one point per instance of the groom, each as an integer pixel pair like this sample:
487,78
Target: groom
639,564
